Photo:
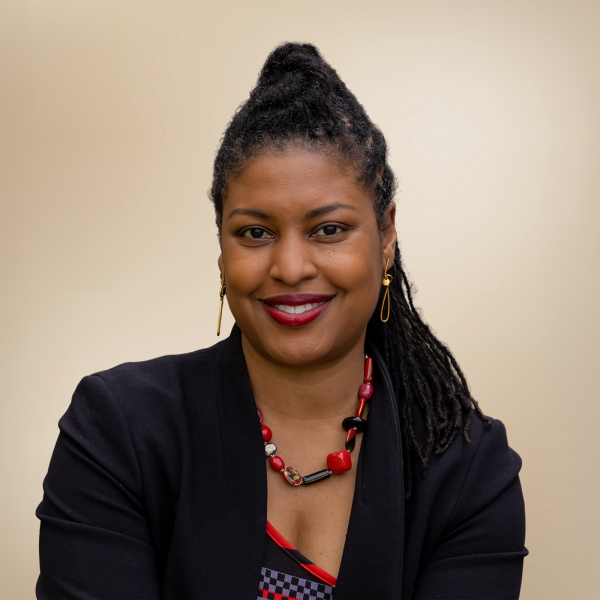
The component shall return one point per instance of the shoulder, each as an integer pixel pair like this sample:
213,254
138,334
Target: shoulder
487,447
484,447
468,476
486,456
486,468
134,418
158,381
468,516
163,376
141,395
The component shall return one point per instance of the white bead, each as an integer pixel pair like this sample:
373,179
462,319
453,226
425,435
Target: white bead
270,449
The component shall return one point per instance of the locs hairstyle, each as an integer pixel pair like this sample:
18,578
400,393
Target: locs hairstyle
300,100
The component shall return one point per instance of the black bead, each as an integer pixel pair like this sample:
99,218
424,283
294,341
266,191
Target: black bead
357,422
313,477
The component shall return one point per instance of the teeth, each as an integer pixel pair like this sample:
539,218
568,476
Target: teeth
297,310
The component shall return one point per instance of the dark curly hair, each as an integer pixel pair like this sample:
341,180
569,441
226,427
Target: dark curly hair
299,99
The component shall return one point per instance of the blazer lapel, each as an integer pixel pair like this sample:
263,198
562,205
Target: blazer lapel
244,507
374,550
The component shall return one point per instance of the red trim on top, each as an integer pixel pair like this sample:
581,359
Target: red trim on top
311,568
278,538
322,574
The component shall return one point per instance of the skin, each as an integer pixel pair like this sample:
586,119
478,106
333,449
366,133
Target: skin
305,379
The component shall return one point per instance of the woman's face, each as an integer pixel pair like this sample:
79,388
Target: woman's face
303,256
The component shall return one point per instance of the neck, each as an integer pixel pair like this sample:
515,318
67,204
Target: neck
319,392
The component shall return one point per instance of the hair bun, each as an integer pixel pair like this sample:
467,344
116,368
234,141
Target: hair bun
293,61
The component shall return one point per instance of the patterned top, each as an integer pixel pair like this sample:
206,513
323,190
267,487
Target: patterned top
289,574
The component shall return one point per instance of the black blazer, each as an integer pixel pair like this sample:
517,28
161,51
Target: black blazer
157,488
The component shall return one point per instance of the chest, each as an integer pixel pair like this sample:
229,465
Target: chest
314,518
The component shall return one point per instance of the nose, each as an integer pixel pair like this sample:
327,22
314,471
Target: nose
292,260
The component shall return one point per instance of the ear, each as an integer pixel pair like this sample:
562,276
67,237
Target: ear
220,262
389,235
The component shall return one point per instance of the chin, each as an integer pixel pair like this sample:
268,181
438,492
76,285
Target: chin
298,355
302,347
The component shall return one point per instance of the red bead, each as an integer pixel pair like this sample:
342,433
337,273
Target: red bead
369,370
338,462
260,415
267,433
361,407
365,391
350,439
277,463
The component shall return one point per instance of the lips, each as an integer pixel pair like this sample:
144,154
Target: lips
296,310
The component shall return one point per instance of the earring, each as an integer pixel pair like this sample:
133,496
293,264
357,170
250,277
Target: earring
221,296
387,279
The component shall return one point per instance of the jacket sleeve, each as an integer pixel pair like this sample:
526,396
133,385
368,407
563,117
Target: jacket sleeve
480,553
94,539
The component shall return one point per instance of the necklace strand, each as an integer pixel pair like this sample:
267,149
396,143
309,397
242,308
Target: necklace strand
337,462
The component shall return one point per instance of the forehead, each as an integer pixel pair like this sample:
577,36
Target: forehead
295,178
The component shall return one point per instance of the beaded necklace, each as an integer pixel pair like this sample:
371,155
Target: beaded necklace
337,462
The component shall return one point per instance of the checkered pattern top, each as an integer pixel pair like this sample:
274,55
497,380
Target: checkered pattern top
289,574
279,586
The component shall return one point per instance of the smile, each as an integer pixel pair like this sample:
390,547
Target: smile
296,310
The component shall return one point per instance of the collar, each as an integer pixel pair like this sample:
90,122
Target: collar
372,560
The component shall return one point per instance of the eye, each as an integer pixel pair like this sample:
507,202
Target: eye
256,233
329,230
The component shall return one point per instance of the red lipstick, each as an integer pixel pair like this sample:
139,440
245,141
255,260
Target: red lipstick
293,300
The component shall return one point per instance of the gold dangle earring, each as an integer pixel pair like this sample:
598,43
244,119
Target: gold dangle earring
387,279
221,296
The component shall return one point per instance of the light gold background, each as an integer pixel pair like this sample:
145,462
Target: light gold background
111,112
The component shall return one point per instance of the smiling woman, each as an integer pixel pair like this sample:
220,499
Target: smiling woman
193,476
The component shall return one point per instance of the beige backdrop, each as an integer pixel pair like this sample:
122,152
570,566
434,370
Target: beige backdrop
111,112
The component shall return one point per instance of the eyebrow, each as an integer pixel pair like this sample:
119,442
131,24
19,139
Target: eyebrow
311,214
250,212
317,212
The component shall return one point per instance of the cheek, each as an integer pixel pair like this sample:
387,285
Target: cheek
245,272
357,273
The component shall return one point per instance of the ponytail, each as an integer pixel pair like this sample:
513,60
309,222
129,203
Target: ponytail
425,374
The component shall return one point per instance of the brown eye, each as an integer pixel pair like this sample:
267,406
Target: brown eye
256,233
329,230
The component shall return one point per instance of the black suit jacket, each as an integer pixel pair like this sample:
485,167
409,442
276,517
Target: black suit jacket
157,488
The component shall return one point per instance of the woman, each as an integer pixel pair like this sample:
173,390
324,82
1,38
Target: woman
158,486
